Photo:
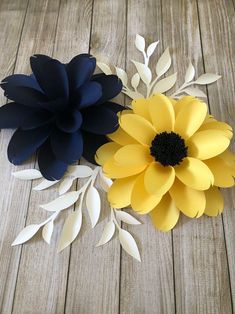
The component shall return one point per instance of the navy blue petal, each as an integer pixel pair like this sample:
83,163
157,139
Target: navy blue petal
24,143
21,80
87,95
99,120
51,168
91,142
80,70
12,115
51,76
67,147
24,95
69,121
56,105
36,119
113,106
111,86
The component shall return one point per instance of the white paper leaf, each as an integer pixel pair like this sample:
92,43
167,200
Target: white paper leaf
135,80
93,205
122,75
65,185
207,78
193,91
140,43
163,63
47,231
165,84
144,72
62,202
127,218
190,73
80,171
151,48
27,174
105,182
104,68
107,234
128,244
44,185
26,234
71,229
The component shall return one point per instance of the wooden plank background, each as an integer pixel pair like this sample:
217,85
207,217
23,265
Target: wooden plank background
189,270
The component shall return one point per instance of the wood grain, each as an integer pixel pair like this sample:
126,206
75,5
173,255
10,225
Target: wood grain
189,270
201,273
217,22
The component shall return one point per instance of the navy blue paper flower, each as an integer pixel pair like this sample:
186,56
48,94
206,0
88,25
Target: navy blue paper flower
61,110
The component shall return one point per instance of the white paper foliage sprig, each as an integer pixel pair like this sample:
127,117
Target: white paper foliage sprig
87,196
154,81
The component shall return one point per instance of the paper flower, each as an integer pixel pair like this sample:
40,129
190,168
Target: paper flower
62,110
168,157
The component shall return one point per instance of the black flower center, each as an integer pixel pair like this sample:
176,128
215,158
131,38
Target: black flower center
168,148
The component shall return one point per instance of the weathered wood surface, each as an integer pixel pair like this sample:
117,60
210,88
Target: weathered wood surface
190,270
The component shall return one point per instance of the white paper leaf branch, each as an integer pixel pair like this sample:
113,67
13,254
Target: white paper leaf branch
47,231
153,84
45,184
104,68
127,218
62,202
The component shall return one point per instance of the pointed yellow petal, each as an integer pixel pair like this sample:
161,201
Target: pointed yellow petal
165,215
119,194
194,173
220,126
121,137
105,152
133,155
191,202
138,127
207,144
140,107
222,173
182,102
190,118
113,170
214,202
158,179
141,200
162,113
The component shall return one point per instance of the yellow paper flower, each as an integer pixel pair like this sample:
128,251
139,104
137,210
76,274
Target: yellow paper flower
168,157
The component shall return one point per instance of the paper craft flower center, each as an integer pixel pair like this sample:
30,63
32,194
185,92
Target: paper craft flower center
168,148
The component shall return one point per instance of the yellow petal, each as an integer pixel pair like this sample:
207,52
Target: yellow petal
182,102
119,194
191,202
162,113
138,127
133,155
216,125
121,137
223,174
190,118
141,200
140,107
214,202
113,170
228,156
207,144
105,152
194,173
165,215
158,179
